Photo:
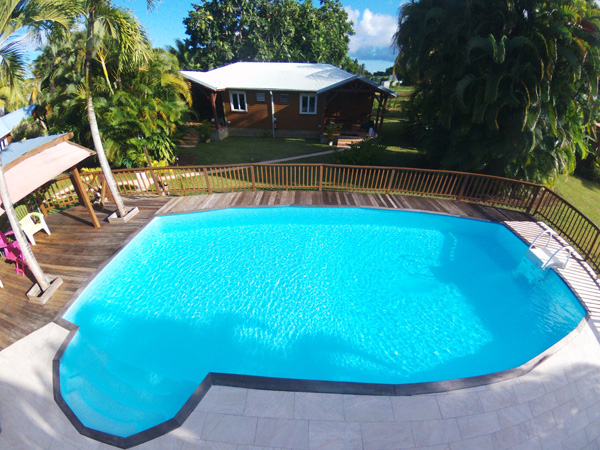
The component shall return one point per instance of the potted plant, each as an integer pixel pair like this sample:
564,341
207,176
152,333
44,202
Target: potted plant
332,131
205,129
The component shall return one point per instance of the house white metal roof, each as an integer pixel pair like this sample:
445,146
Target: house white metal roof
277,76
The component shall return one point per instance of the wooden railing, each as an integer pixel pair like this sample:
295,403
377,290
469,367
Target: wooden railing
530,198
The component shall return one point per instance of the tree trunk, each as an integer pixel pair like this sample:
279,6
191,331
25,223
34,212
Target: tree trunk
108,176
110,179
21,239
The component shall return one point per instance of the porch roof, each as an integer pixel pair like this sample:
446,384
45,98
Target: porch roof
31,163
278,76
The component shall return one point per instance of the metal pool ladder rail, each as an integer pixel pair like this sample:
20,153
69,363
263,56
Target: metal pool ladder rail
545,256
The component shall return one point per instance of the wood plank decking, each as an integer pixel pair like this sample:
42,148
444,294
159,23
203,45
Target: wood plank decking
75,250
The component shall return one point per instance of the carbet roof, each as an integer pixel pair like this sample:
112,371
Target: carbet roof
277,76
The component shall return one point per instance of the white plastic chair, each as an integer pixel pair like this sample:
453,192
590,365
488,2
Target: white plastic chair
31,223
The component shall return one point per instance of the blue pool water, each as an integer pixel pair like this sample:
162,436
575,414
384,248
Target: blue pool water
340,294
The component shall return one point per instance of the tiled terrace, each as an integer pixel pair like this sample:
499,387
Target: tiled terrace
556,405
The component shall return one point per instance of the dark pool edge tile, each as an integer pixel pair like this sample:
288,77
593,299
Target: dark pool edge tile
285,384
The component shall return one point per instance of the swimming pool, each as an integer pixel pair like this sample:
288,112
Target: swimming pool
335,294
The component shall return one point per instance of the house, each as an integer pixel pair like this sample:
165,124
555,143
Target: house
284,99
11,120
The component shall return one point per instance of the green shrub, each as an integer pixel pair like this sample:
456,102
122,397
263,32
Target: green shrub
28,129
365,153
332,131
205,128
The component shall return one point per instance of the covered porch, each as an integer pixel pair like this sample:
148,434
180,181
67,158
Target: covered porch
357,109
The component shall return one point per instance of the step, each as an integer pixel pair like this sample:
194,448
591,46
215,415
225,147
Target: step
116,391
99,412
540,255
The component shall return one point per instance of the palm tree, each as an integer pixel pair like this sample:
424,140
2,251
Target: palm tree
102,20
146,112
30,258
17,17
33,17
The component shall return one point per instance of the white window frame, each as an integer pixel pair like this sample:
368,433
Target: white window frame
238,93
308,104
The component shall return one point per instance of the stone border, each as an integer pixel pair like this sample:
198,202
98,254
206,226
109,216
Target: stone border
284,384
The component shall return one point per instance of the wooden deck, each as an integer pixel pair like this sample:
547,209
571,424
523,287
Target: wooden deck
75,250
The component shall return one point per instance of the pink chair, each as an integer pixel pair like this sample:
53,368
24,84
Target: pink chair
13,252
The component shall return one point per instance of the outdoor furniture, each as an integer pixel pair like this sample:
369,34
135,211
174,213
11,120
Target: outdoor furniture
31,223
13,253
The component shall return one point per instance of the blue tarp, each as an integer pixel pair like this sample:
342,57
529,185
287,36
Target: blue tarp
17,149
11,120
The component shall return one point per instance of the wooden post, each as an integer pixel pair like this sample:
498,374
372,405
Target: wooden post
533,199
378,98
252,176
159,189
106,192
41,203
83,197
380,126
463,187
539,203
389,188
206,179
321,178
213,103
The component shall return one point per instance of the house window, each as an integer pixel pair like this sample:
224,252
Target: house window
308,104
260,96
238,101
284,98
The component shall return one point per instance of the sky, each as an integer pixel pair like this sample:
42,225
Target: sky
375,22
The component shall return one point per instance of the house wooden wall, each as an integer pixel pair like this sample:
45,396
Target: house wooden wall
288,114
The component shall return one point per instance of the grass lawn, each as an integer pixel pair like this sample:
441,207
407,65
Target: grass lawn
581,193
242,150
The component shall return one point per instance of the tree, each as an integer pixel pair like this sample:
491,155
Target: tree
16,17
146,113
225,31
33,17
507,88
137,106
104,21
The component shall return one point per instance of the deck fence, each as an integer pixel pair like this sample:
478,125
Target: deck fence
530,198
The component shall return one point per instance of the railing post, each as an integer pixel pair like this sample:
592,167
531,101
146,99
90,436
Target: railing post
539,202
206,179
389,187
252,177
533,200
321,178
463,186
588,254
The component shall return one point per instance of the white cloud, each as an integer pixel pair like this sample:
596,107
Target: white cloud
373,34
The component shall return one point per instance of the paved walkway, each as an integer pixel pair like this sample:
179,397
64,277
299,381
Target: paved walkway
555,406
308,155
